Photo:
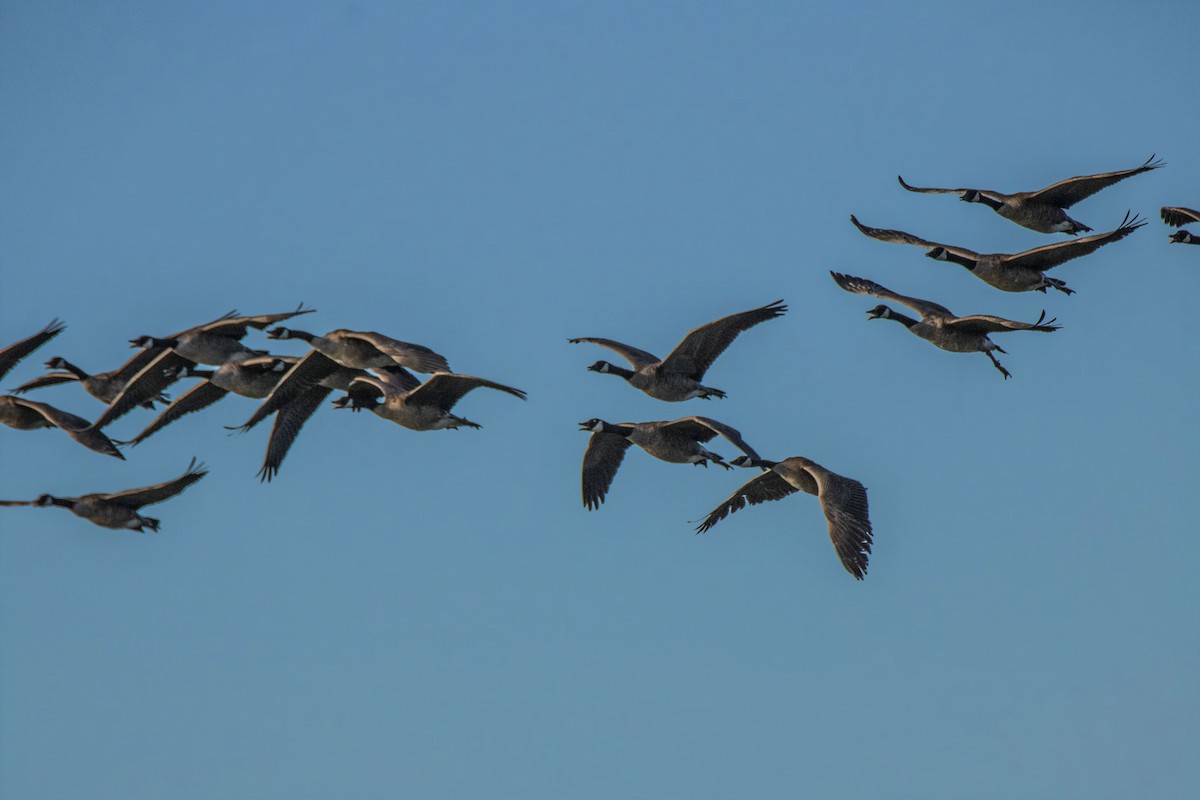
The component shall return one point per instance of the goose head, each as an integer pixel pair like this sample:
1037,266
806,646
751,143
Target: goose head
600,366
938,254
152,341
879,312
1181,237
594,425
971,196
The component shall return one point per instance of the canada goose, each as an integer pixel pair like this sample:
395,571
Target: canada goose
27,415
12,355
676,441
104,386
398,397
1020,272
1043,210
119,510
244,374
677,377
938,324
360,350
844,501
1176,217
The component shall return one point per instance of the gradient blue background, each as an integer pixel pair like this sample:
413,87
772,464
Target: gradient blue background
435,615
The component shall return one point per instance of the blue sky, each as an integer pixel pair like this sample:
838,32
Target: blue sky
434,614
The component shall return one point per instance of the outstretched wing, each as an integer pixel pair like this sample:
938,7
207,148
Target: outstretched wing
444,389
48,379
923,190
77,428
900,237
601,460
11,355
1051,255
406,354
759,489
703,429
638,358
1178,216
863,286
200,396
695,354
149,495
236,327
1067,193
288,422
146,385
844,501
299,380
986,323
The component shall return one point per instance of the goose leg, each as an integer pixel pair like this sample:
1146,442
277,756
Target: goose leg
998,365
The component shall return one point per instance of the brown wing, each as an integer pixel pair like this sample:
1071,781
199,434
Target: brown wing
941,191
236,327
703,429
146,385
200,396
1051,255
406,354
1067,193
149,495
695,354
900,237
42,381
759,489
304,375
601,460
444,389
638,358
77,428
288,422
11,355
863,286
844,501
1178,216
986,323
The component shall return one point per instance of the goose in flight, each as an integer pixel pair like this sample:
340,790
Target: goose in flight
104,386
119,510
843,500
677,377
938,325
28,415
399,397
1018,272
1177,217
1043,210
677,441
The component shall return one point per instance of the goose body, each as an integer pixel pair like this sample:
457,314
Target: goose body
678,376
104,386
938,325
1043,210
679,441
843,501
119,510
1018,272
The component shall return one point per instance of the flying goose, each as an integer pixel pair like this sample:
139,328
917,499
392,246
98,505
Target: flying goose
938,324
399,397
677,377
12,355
1043,210
1019,272
1177,217
119,510
104,386
676,441
27,415
211,343
844,501
244,374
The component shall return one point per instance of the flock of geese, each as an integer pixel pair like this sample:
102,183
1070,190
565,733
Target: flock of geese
375,373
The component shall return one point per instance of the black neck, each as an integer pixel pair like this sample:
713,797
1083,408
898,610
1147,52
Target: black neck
989,202
62,502
619,430
613,369
960,260
903,319
71,368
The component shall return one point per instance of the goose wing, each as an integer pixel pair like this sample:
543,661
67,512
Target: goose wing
149,495
300,379
444,389
11,355
77,428
202,395
1067,193
638,358
924,190
1178,216
236,327
703,429
147,384
844,501
696,353
1051,255
601,460
414,356
133,366
288,422
863,286
986,323
900,237
759,489
48,379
